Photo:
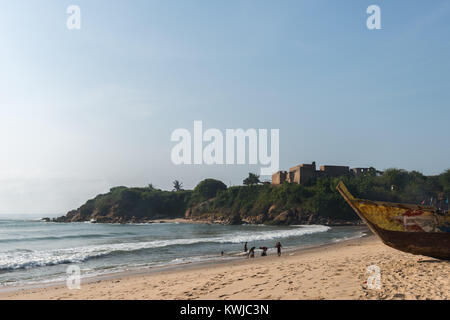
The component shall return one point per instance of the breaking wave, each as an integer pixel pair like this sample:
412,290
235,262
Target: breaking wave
26,259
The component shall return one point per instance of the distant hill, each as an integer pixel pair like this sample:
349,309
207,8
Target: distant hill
315,203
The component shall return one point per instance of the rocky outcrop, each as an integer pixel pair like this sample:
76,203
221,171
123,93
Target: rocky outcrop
130,205
237,205
273,216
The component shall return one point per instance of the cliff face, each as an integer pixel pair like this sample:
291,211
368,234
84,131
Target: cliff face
274,216
278,205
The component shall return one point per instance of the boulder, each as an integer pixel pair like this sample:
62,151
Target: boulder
286,217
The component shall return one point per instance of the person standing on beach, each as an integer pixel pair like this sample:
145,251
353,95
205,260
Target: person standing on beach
278,246
245,247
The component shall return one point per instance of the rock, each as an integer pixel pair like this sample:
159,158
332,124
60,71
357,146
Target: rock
259,219
286,217
188,213
235,220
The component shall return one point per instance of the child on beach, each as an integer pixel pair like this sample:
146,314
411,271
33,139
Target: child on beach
264,251
251,253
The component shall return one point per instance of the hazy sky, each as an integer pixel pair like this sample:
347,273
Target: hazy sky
82,111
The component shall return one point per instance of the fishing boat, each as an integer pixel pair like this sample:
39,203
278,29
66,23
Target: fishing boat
416,229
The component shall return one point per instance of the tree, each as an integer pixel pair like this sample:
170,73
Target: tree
398,178
373,172
177,186
208,189
252,179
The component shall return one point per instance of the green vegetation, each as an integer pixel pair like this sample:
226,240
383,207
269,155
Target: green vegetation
124,204
317,202
177,186
251,180
263,203
398,185
206,190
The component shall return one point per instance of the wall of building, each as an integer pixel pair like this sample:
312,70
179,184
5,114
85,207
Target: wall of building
301,174
335,171
279,178
306,174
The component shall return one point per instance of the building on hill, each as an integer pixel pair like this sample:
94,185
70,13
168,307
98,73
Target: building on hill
334,171
359,171
279,178
302,173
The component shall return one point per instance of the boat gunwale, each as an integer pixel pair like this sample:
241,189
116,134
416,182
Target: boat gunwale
396,205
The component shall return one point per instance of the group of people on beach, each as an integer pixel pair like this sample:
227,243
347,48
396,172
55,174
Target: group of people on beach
251,253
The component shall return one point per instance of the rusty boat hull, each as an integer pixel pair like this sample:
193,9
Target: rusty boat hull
415,229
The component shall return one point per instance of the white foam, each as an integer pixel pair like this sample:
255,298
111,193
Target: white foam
356,236
12,260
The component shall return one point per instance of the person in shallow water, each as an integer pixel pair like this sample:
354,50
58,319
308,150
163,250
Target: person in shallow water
264,251
245,247
251,253
278,246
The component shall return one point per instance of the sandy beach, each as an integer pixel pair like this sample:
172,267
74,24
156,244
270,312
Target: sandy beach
337,271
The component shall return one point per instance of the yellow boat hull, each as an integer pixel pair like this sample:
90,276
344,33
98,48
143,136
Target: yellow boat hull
410,228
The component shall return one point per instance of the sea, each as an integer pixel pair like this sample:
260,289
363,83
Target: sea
35,252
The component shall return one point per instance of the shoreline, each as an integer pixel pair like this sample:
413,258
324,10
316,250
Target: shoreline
328,271
355,223
191,265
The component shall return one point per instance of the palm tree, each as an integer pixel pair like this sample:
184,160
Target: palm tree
177,186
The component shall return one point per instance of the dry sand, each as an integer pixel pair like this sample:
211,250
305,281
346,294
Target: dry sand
337,271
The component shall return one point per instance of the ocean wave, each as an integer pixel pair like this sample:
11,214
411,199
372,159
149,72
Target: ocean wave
82,236
356,236
270,235
13,260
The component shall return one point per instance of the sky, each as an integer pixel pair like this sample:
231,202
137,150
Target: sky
84,110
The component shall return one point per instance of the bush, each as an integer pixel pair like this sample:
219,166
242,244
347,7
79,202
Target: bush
207,189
